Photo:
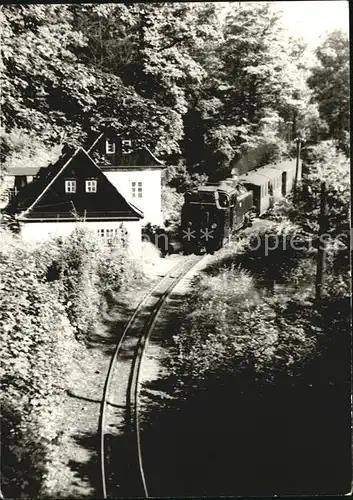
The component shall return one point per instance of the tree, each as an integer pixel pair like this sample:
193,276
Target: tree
332,167
157,50
36,359
329,81
37,71
253,88
50,87
170,75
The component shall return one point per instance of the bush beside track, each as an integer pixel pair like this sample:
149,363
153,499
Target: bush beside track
52,300
253,347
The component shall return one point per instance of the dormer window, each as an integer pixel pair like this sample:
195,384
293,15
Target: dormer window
126,146
109,147
91,186
70,186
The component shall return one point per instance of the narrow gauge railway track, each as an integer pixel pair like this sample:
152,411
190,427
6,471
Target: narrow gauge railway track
120,447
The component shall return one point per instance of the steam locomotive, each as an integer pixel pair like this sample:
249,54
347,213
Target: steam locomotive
212,213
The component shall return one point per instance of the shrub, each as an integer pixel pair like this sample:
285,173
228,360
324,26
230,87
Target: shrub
117,269
50,294
229,328
36,352
181,179
172,201
89,271
72,261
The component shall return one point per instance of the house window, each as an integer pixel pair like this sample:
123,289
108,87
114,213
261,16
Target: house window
70,186
108,234
126,146
109,147
136,189
91,186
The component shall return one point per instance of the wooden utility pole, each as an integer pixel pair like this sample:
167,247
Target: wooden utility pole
299,144
321,253
289,131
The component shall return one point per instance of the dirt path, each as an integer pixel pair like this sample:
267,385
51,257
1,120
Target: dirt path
154,400
77,474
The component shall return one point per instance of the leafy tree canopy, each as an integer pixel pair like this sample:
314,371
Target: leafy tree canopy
329,81
191,85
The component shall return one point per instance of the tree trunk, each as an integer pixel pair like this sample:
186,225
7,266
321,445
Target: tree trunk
297,165
321,254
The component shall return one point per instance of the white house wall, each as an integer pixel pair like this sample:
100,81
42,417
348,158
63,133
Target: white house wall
37,232
150,203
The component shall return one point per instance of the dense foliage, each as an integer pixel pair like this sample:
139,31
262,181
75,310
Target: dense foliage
330,84
330,165
89,271
282,251
229,328
36,351
198,88
52,296
208,94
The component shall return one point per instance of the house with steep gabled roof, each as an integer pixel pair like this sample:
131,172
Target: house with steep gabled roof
134,171
74,192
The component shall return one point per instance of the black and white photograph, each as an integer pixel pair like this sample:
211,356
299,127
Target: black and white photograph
175,250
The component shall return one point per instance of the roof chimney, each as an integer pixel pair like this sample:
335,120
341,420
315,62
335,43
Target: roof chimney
67,149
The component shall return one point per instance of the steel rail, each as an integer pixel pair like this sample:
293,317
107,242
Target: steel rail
134,395
113,361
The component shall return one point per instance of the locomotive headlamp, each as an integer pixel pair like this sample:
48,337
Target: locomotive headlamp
214,225
189,223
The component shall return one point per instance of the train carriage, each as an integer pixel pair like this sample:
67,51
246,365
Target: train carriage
258,184
211,213
287,170
274,177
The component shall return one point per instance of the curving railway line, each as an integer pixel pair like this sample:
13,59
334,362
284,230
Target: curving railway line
122,472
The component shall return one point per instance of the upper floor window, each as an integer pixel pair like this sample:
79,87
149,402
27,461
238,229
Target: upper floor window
136,189
70,186
109,147
126,146
91,186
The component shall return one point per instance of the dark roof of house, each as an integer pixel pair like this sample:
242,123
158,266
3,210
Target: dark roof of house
144,155
45,197
139,158
29,193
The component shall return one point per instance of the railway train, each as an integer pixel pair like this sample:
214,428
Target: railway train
212,213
